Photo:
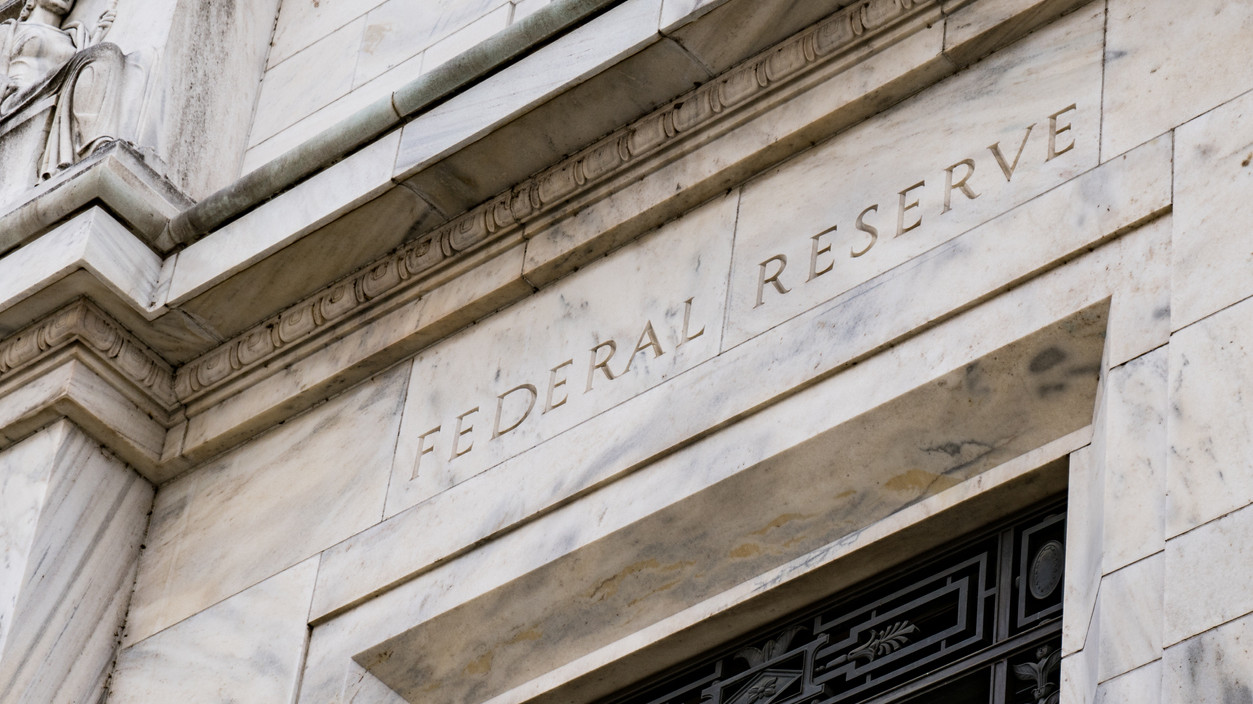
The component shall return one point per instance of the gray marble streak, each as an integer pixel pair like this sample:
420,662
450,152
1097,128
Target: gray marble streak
61,642
1210,429
24,477
1215,667
1210,257
248,648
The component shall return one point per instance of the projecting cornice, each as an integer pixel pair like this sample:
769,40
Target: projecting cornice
82,323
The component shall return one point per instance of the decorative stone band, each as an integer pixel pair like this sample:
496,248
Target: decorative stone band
83,323
507,212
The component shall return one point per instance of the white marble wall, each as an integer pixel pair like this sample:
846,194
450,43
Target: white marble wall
1160,605
72,518
268,568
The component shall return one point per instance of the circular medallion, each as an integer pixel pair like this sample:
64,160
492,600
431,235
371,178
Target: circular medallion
1046,569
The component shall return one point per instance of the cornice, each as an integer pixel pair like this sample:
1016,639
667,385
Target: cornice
725,98
84,324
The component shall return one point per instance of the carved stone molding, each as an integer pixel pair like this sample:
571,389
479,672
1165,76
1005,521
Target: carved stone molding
691,113
83,323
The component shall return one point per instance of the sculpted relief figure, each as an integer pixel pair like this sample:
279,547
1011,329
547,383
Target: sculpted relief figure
44,63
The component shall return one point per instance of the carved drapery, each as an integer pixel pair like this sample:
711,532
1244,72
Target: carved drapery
67,69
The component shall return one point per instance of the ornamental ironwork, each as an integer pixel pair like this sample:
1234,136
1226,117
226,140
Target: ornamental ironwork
980,621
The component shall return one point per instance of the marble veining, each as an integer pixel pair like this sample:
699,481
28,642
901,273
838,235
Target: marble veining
76,579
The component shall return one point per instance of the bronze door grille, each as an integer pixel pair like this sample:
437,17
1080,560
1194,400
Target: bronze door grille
978,624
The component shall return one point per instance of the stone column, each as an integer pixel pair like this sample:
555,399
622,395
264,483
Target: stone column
72,520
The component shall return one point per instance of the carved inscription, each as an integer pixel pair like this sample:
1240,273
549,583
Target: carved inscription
567,354
959,181
904,184
584,373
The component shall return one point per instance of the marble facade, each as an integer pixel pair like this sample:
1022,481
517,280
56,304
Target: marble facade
517,351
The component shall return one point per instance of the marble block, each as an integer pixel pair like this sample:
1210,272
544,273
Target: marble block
1209,467
462,39
1140,686
24,475
1211,255
1135,460
83,515
1210,570
1215,667
307,81
214,531
1079,672
302,22
399,29
1160,65
93,241
1084,532
914,177
248,648
605,334
1131,617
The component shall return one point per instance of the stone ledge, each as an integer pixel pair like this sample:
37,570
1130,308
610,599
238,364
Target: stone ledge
117,178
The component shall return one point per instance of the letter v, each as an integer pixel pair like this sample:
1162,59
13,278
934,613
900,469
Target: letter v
1008,169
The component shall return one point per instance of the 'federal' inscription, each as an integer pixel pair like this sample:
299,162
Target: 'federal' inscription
601,365
589,342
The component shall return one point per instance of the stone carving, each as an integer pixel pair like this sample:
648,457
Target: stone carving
1042,674
509,211
84,323
47,63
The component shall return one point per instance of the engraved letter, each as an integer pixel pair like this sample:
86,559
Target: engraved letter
868,229
601,365
1055,130
640,346
905,206
687,320
456,438
962,185
762,279
422,450
815,250
553,383
500,405
1006,168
